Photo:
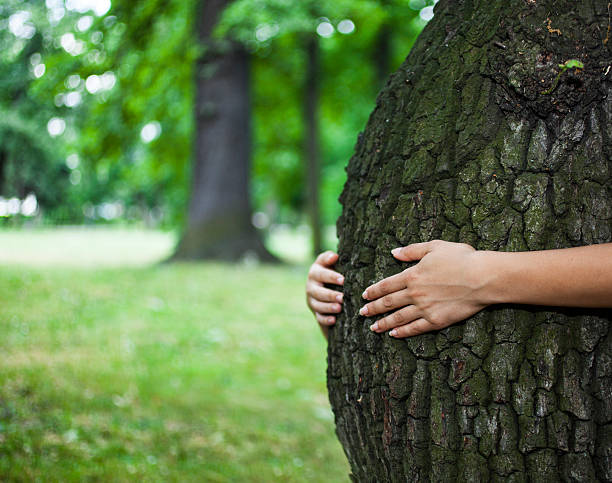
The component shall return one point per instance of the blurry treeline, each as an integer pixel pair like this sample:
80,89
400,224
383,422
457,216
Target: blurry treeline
96,101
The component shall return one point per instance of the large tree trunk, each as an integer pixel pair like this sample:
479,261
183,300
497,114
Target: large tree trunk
219,219
465,146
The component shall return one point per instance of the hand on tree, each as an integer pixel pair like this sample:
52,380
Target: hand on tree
324,302
443,288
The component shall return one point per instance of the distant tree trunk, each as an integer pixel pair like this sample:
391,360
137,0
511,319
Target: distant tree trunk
219,219
311,104
465,146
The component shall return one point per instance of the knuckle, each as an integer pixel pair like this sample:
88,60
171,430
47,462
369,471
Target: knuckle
396,317
387,301
408,275
438,319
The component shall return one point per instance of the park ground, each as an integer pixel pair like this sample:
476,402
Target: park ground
115,367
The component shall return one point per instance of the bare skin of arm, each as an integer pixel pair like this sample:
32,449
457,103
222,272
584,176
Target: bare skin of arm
452,281
323,302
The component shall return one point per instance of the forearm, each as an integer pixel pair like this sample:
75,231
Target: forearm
572,277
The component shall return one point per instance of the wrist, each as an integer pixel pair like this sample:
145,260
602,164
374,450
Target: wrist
492,277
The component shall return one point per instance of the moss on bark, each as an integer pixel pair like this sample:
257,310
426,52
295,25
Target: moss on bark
463,146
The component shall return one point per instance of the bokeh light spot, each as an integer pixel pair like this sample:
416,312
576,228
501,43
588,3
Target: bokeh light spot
73,81
72,161
75,177
56,126
84,23
39,71
426,13
346,26
29,206
266,31
260,220
72,99
20,26
325,29
150,131
99,7
71,45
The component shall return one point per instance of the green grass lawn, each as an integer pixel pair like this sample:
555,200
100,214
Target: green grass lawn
188,372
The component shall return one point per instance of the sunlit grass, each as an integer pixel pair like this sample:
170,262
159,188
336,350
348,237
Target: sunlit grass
199,372
84,246
121,247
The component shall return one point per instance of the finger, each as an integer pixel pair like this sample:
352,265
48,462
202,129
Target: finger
416,251
324,294
327,259
388,302
385,286
419,326
396,319
320,274
325,319
324,307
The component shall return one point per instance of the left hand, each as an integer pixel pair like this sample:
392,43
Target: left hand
442,289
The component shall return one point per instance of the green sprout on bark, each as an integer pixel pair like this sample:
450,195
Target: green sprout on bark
569,64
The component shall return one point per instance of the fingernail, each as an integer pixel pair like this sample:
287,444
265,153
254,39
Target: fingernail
365,294
364,310
329,257
337,308
339,298
374,326
393,333
340,280
395,251
331,320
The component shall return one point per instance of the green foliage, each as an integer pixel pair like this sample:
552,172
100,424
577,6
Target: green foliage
567,65
143,53
128,68
29,162
571,64
275,31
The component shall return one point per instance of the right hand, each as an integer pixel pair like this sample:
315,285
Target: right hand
322,301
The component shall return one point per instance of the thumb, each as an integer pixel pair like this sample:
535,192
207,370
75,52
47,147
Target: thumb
416,251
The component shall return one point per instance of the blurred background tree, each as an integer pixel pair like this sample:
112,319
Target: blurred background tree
98,102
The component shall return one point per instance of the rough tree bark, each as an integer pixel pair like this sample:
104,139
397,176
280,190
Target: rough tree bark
463,145
219,219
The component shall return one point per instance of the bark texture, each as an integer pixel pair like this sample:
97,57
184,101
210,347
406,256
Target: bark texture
464,146
219,219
